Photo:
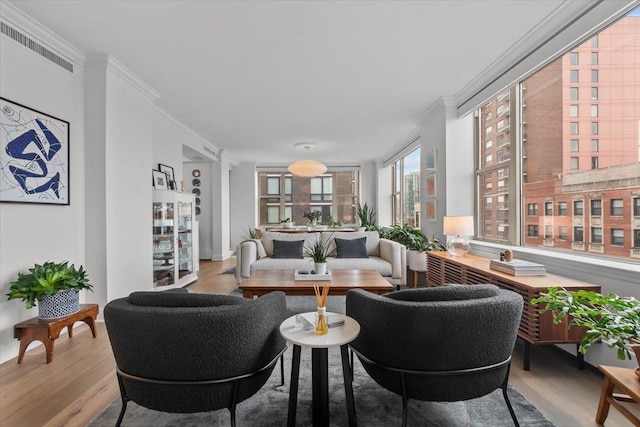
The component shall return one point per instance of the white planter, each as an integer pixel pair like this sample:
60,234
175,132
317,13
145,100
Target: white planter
417,260
320,267
61,304
287,225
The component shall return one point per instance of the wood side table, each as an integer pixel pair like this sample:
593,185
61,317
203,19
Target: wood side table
627,381
48,330
319,344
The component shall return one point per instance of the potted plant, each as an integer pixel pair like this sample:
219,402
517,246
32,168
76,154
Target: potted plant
331,223
313,217
319,252
54,285
418,248
613,319
286,223
367,217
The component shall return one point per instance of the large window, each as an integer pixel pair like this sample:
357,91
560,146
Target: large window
406,190
282,195
575,151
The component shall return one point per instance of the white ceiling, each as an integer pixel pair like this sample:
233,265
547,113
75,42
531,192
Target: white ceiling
254,78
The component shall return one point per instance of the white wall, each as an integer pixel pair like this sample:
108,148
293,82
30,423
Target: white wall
382,204
205,218
167,144
220,208
33,233
129,195
244,202
368,184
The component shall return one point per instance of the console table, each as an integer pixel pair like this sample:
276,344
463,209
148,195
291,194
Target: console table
535,328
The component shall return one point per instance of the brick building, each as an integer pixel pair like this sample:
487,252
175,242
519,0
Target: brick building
580,149
283,195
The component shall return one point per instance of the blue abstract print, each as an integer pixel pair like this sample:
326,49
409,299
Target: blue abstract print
34,161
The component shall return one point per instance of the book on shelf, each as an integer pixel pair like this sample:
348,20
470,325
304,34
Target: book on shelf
518,267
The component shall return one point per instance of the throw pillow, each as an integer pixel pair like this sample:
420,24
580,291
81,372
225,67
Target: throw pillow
287,249
352,248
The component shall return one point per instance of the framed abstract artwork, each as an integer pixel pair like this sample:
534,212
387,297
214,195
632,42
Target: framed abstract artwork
431,185
34,156
431,160
431,211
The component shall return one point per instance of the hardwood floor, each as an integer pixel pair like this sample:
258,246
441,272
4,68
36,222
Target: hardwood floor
81,381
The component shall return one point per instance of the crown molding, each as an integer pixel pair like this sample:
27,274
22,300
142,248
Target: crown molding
178,124
406,144
38,32
539,35
447,101
112,64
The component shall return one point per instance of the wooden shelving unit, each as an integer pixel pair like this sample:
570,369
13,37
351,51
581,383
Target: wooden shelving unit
535,328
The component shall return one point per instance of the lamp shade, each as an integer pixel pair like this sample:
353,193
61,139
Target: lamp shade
458,226
307,168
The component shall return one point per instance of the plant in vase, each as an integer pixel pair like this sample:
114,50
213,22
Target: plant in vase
613,319
313,217
54,285
286,223
418,249
319,252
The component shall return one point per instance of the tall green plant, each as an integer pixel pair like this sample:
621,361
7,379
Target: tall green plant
367,217
406,234
613,319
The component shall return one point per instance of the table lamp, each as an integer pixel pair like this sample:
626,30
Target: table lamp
458,226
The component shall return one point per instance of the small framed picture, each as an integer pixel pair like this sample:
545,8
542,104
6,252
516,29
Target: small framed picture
431,185
431,211
159,180
168,170
431,160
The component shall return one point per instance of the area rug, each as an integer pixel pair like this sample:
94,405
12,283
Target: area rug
375,406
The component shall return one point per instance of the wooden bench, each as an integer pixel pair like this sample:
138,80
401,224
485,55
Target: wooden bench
47,330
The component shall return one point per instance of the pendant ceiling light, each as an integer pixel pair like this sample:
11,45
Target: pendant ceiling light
307,168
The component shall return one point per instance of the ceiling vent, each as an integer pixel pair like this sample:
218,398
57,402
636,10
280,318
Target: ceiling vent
35,46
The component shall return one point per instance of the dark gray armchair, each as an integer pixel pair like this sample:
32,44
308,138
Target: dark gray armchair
182,353
449,343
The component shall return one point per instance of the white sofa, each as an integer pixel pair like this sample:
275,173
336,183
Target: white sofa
385,256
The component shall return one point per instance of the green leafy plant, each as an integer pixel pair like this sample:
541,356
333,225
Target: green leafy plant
613,319
331,223
428,244
320,251
47,279
367,217
282,221
406,234
312,216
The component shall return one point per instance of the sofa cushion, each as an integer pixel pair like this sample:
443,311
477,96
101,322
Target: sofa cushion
372,263
282,264
373,239
287,249
351,248
269,236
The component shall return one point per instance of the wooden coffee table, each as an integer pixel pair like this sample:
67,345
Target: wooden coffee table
264,281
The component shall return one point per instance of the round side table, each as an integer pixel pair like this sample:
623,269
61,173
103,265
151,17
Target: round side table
319,344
